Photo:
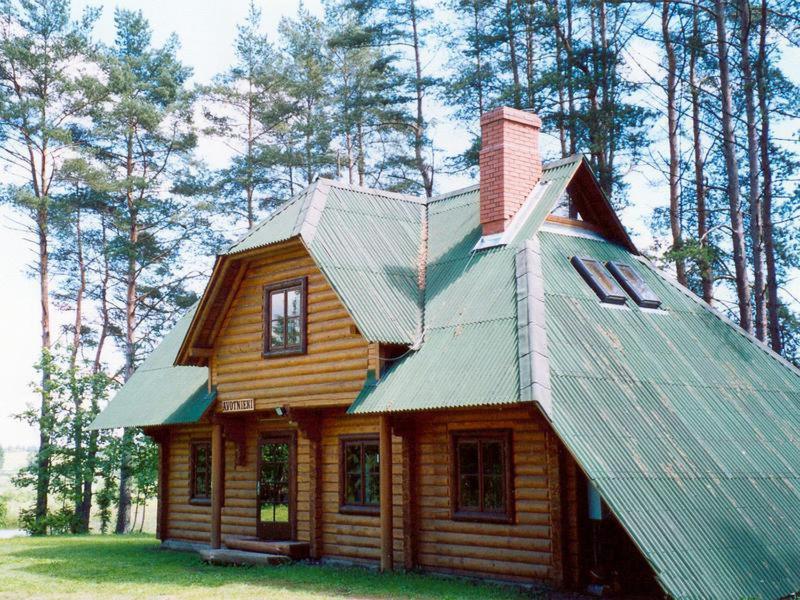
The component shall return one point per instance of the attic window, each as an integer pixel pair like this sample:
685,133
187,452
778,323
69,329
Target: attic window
630,279
285,312
595,274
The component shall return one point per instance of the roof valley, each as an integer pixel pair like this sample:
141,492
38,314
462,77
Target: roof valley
422,275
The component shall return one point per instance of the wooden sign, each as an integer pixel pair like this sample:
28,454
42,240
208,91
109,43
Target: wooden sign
244,405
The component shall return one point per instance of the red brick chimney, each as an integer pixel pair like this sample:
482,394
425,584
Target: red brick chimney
510,165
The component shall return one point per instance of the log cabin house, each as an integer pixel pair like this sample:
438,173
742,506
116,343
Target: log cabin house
492,382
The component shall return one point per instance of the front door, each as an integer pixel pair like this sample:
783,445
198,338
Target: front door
276,486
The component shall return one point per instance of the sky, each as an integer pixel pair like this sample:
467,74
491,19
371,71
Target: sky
206,30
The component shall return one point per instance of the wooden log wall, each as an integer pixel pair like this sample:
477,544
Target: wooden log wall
186,521
356,538
333,370
519,551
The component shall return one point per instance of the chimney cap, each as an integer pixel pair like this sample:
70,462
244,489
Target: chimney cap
507,113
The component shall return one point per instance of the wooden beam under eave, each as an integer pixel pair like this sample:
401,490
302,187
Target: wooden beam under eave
217,477
387,501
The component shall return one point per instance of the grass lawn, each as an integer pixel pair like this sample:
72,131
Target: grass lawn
92,567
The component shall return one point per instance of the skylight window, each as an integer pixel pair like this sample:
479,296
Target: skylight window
634,284
599,280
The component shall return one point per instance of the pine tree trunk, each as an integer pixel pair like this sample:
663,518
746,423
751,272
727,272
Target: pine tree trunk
773,303
92,443
675,220
772,300
729,151
81,526
512,53
706,279
124,507
45,410
754,191
419,130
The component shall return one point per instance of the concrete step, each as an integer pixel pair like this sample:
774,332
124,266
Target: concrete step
226,556
291,549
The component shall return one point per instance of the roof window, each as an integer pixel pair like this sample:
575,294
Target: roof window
599,280
633,283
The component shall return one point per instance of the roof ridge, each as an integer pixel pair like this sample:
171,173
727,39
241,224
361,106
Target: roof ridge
375,191
560,162
456,192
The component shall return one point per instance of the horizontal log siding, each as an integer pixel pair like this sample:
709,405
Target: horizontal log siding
186,522
518,551
333,370
355,538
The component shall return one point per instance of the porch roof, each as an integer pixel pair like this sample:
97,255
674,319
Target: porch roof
159,393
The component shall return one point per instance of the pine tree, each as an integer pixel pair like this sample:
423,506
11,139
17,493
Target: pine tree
139,138
245,106
44,89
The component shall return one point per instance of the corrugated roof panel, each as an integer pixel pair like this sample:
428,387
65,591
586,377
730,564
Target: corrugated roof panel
159,393
687,428
278,227
368,247
469,365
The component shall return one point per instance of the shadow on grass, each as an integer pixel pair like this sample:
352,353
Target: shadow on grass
102,561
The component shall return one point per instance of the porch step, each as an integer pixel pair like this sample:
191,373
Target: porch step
290,549
225,556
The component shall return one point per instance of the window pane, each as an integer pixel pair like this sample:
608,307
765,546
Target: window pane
277,303
468,458
201,483
493,493
492,458
293,331
372,485
601,282
293,302
352,488
352,458
276,335
634,284
469,492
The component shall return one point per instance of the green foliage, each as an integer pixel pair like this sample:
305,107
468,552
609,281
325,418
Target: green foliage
2,457
3,512
74,394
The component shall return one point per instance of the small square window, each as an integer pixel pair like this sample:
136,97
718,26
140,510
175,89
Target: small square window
630,279
285,313
601,282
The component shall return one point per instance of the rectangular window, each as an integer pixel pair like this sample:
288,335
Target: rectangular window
481,478
285,318
201,472
360,484
634,284
595,274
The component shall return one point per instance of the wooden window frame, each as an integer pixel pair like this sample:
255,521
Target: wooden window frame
346,507
504,436
193,497
267,350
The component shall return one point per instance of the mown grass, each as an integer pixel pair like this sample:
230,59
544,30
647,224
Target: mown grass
93,567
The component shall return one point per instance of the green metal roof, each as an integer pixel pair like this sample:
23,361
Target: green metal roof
159,393
687,427
366,243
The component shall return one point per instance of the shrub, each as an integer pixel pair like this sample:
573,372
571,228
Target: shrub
3,512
